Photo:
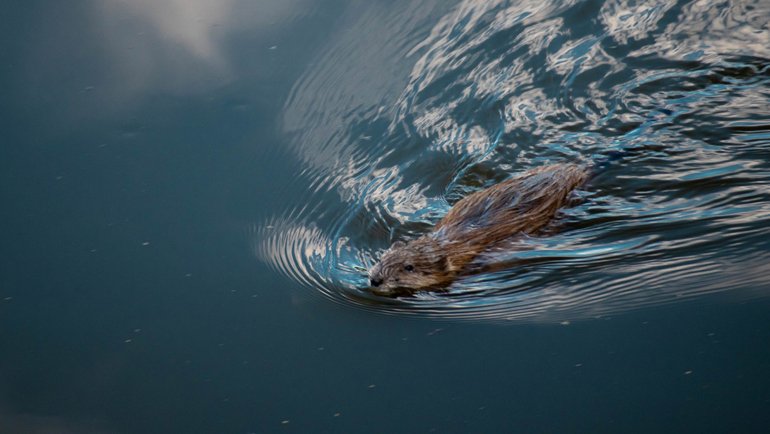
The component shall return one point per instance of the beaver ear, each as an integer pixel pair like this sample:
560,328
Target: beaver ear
397,245
449,266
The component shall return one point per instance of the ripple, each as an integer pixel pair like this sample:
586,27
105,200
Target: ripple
437,102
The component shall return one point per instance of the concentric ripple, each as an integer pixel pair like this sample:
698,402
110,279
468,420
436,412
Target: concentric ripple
435,101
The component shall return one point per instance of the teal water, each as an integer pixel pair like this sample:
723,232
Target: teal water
192,192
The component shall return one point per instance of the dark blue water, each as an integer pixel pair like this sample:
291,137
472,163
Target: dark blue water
192,192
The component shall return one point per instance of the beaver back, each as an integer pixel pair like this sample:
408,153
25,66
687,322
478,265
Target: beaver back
522,204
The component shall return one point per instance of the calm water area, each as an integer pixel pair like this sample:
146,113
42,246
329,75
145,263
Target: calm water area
192,192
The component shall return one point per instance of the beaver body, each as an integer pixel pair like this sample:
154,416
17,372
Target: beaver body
478,222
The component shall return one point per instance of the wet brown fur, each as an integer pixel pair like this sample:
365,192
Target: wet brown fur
479,222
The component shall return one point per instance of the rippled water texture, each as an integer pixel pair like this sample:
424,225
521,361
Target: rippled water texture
413,108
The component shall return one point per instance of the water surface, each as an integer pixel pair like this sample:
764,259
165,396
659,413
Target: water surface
191,192
391,132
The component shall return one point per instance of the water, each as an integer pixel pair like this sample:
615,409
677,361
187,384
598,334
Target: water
192,192
494,88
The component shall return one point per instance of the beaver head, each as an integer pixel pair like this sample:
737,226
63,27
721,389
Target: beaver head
405,267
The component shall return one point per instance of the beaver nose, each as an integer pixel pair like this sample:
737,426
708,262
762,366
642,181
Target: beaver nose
375,281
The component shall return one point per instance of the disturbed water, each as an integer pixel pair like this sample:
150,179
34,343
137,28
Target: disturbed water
391,132
192,192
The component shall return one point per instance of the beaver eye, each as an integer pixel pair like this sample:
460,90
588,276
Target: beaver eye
409,267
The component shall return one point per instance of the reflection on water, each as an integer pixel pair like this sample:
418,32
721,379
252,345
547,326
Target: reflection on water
393,128
136,48
198,27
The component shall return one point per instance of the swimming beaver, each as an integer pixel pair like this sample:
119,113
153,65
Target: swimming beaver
478,222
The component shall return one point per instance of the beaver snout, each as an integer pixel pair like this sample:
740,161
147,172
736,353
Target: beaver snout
375,276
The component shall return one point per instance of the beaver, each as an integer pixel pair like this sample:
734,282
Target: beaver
479,222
